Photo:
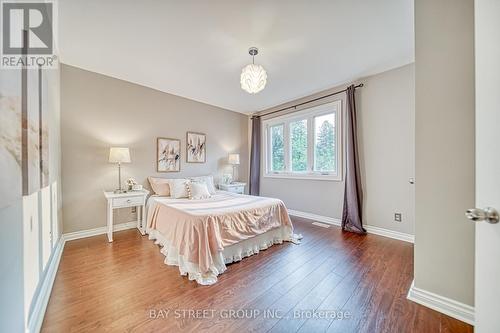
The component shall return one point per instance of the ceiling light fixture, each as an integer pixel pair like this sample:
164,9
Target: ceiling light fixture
253,77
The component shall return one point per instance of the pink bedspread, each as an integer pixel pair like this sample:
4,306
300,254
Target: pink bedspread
199,229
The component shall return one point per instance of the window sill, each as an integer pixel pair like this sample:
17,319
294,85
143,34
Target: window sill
332,178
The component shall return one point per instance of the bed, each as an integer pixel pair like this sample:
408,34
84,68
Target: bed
202,236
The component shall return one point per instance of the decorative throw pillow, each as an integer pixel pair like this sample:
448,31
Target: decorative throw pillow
179,188
199,190
209,180
161,186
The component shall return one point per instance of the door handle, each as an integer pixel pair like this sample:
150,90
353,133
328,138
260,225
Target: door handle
488,214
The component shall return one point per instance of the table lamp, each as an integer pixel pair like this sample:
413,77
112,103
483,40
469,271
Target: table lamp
234,160
119,155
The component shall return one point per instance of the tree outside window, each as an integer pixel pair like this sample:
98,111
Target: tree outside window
325,145
305,144
298,139
277,148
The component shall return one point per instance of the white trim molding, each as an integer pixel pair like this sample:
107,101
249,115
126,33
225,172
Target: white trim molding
41,300
369,228
390,233
442,304
98,231
311,216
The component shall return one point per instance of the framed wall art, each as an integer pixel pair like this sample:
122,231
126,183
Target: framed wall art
196,147
168,155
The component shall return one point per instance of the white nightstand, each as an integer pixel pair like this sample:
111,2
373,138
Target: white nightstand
235,187
124,200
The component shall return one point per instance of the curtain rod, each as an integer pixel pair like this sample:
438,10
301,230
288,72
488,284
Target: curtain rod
307,102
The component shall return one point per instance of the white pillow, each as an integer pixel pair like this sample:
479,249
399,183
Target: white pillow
179,188
209,180
199,190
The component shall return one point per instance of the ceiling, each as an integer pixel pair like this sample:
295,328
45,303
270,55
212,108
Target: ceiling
196,49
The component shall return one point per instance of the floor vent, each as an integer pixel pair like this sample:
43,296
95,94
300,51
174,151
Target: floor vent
323,225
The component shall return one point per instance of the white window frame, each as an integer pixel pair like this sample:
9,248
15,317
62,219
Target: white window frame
309,114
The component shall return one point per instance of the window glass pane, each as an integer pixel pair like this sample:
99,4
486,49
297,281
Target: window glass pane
325,157
298,142
277,148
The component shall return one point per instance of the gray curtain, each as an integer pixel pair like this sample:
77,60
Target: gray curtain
353,195
254,187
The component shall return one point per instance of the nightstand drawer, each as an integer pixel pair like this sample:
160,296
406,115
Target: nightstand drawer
236,189
127,202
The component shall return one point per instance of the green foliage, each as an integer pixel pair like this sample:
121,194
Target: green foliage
298,139
278,148
325,148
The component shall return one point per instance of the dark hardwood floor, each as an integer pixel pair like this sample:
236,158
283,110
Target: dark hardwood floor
126,287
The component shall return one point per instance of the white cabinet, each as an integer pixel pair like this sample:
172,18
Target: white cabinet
235,187
124,200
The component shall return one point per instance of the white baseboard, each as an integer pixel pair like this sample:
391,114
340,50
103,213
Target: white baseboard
42,299
369,228
390,233
311,216
98,231
442,304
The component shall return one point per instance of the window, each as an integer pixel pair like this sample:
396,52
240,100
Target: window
324,143
305,144
298,142
277,148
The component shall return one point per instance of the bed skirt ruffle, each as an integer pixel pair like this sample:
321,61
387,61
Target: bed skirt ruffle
230,254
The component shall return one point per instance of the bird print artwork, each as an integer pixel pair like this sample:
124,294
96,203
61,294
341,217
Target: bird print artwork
169,155
196,147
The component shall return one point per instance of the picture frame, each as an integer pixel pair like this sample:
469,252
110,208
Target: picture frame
196,147
168,155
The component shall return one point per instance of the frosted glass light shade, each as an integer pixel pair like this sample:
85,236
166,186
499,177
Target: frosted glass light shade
119,155
233,159
253,78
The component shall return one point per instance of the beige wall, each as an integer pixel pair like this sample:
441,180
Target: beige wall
387,140
100,111
386,132
444,78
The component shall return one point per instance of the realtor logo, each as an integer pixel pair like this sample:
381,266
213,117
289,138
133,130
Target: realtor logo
27,34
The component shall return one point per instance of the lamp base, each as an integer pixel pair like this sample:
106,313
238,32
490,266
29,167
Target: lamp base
119,191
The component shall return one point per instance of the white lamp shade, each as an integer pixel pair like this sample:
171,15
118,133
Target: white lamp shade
234,159
253,78
119,155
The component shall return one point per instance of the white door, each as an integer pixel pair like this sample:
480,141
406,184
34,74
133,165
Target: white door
487,279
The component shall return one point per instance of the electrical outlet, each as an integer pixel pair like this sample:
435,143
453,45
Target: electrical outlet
397,217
